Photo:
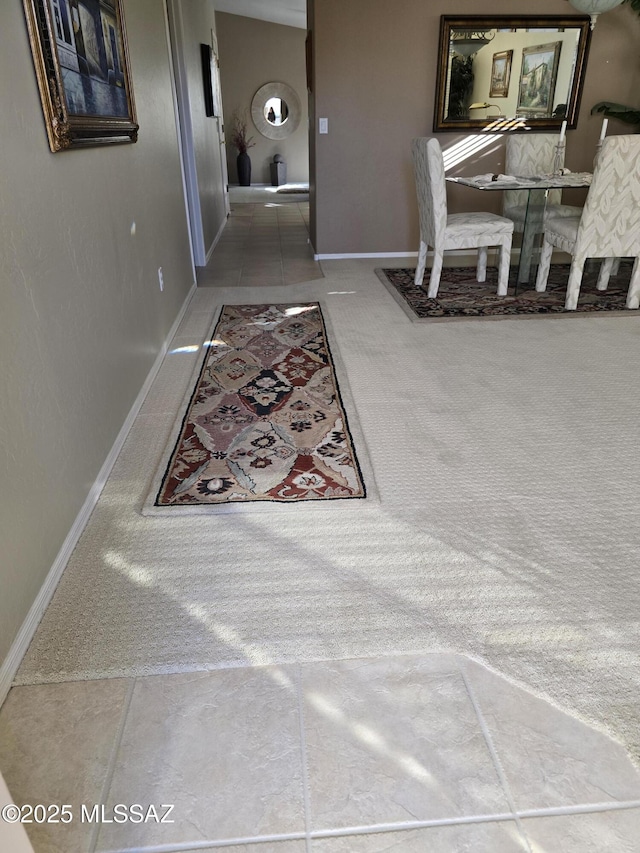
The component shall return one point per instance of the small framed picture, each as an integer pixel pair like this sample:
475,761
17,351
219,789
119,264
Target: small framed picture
500,74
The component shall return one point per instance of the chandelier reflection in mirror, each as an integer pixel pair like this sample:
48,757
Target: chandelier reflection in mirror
467,42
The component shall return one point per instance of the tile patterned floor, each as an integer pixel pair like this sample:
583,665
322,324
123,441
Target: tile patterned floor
407,753
263,245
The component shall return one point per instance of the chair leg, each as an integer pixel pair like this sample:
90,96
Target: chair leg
434,279
481,270
633,294
503,270
543,267
422,262
573,286
605,271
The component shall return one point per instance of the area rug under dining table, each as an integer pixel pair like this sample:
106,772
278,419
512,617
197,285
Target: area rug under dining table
461,296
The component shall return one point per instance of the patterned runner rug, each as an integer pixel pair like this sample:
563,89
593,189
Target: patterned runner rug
460,295
265,420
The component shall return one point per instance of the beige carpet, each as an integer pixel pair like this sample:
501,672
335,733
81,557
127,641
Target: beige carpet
505,456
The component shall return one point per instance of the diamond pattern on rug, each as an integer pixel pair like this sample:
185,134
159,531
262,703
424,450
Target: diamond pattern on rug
460,295
265,421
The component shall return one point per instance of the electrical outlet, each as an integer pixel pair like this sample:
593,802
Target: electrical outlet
160,278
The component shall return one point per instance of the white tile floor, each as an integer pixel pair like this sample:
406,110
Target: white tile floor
411,753
430,752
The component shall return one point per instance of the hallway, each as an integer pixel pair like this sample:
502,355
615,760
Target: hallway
263,244
314,682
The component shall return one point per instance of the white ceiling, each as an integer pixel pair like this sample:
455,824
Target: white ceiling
293,13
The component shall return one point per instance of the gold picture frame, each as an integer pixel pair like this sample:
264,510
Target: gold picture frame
500,74
538,75
81,61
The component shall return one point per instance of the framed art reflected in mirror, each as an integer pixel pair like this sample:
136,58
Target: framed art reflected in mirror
501,74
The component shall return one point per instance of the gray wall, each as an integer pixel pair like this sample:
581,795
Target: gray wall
375,75
253,53
82,315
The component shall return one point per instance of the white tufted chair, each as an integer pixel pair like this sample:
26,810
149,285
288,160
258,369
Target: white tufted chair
530,154
609,227
457,230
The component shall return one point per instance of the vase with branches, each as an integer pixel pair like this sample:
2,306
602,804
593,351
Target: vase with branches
241,140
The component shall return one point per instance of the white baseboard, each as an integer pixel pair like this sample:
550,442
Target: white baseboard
10,665
12,835
451,259
365,255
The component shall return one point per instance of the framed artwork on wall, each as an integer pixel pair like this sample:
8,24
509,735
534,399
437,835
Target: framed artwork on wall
538,79
500,74
211,81
82,67
206,56
308,53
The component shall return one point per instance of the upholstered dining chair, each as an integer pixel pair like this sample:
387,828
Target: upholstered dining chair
530,154
609,226
443,232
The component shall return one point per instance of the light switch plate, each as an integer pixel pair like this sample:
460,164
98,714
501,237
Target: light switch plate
323,125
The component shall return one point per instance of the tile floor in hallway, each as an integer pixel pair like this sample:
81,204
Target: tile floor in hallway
263,245
408,753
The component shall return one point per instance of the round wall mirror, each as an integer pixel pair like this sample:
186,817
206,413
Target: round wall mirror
275,110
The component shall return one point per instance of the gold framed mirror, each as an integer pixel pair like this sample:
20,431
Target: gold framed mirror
518,72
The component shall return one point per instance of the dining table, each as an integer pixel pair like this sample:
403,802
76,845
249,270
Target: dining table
538,187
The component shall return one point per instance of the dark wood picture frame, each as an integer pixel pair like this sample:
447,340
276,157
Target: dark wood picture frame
446,120
308,55
206,55
81,61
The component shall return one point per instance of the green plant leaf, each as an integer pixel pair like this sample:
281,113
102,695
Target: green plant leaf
629,115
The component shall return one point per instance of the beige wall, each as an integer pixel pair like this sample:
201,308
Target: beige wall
253,53
82,316
375,69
